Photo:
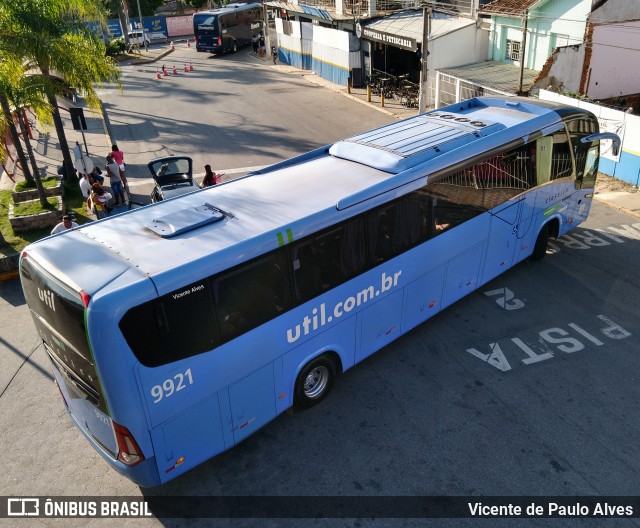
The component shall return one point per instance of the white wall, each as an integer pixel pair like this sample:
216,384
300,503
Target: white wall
614,60
463,46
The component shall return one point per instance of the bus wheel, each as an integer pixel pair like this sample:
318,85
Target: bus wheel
540,249
314,381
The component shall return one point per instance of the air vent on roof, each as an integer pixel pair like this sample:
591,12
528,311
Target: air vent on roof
462,119
478,123
185,220
447,116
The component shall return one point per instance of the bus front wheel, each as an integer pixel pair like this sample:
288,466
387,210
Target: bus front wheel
540,249
314,381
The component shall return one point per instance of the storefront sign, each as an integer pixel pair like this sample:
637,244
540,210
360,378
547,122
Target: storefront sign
392,40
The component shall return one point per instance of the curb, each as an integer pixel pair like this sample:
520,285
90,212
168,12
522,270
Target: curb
617,207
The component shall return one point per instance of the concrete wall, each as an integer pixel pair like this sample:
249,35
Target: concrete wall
462,46
614,60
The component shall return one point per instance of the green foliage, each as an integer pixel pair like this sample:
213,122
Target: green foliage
15,241
197,4
116,47
34,207
24,185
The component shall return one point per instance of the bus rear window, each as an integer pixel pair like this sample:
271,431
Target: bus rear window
58,312
206,24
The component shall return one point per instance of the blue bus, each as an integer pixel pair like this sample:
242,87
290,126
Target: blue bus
179,329
227,28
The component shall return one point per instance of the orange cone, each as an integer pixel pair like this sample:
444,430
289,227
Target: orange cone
175,72
190,66
188,43
164,70
172,46
186,69
158,76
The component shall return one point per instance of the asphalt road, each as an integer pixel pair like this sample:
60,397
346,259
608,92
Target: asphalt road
528,386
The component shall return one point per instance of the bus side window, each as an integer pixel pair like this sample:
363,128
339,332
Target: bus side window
544,150
579,128
175,326
251,294
561,163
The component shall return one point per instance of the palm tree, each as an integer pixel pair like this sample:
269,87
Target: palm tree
52,41
23,92
8,77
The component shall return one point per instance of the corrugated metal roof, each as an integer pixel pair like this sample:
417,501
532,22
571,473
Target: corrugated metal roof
410,24
492,74
508,7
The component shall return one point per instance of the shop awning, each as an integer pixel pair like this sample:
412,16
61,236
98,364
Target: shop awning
404,30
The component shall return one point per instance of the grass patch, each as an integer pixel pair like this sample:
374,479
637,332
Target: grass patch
15,242
48,182
34,207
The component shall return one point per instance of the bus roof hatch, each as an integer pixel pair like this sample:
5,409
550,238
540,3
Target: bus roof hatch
185,220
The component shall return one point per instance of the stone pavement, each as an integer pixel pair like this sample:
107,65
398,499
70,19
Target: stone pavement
98,138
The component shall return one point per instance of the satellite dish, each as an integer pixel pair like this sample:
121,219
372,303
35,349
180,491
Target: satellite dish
83,164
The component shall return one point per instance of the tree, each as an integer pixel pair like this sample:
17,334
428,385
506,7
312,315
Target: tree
22,92
52,41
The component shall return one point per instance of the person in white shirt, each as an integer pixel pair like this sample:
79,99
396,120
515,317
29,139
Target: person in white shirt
85,186
66,224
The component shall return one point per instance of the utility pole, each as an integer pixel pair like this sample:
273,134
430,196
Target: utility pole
426,29
523,49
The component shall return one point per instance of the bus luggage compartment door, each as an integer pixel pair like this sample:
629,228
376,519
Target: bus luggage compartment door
192,437
252,402
379,324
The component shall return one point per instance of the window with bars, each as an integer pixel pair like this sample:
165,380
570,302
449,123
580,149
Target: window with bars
513,50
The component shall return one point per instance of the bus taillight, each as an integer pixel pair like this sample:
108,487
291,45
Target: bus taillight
85,298
219,41
128,451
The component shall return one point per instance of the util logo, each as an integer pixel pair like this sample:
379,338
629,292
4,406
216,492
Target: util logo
47,298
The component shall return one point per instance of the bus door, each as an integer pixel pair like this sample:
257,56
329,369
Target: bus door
503,238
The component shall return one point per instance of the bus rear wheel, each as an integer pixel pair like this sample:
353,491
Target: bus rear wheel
314,381
542,242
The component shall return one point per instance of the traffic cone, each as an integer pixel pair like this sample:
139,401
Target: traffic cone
164,70
188,43
190,66
186,69
175,72
172,46
158,76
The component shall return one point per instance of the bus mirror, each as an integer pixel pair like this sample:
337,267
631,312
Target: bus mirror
615,140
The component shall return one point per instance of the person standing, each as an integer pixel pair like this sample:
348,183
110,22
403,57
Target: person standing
118,157
254,43
210,177
65,224
115,180
274,53
261,44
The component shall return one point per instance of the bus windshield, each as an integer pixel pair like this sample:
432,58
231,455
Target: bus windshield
206,24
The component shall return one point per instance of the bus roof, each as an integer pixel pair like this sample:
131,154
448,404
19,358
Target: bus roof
230,7
219,226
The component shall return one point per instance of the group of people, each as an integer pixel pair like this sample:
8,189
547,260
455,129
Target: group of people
258,42
98,199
